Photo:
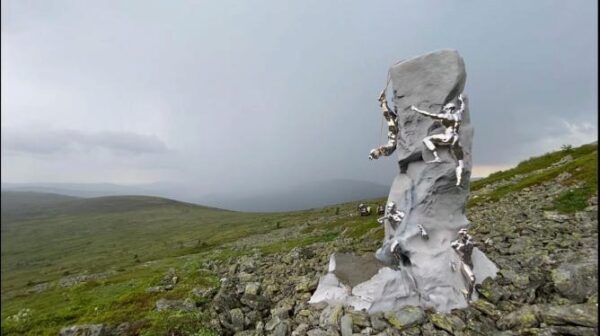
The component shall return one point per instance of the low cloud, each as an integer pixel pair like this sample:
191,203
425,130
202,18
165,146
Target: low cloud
66,141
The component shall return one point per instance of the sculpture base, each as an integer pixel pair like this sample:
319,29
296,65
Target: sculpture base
364,283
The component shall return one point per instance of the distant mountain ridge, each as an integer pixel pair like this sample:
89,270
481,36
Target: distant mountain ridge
16,205
299,197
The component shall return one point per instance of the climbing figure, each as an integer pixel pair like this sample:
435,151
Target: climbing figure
451,118
364,210
422,231
393,215
399,254
392,122
463,245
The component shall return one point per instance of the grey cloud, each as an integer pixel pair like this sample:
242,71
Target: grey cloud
253,94
66,141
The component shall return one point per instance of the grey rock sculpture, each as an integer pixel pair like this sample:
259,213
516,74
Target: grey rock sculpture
427,259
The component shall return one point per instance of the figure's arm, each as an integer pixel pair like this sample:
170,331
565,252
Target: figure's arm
390,117
462,103
431,115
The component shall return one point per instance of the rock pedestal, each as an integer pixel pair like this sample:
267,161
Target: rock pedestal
427,193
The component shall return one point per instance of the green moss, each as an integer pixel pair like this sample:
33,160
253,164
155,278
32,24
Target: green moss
177,323
573,200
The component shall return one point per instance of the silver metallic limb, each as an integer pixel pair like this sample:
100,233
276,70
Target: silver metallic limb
459,170
429,114
392,122
467,273
451,118
399,255
463,245
392,214
424,234
462,104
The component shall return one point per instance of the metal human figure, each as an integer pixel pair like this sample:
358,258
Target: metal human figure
463,245
451,118
393,215
392,122
399,255
364,210
424,234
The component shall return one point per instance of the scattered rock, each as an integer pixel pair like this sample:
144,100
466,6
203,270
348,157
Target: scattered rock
525,317
346,325
164,304
86,330
330,316
237,319
585,315
576,281
447,322
555,216
300,330
405,317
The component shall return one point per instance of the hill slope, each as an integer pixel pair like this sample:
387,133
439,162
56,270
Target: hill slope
538,222
22,205
15,204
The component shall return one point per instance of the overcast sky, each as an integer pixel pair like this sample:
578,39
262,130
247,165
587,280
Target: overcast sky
227,95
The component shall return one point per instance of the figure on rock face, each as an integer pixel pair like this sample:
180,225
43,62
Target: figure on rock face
400,256
394,215
463,245
391,118
424,234
451,118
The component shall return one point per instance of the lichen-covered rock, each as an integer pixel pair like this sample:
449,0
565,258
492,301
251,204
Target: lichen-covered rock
360,318
524,317
405,317
331,316
585,315
378,321
164,304
86,330
486,308
576,280
490,290
447,322
237,319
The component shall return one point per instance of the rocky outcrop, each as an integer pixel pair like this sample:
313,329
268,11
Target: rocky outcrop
429,274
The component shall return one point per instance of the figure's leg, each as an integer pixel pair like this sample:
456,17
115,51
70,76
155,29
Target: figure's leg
424,234
470,278
458,153
430,142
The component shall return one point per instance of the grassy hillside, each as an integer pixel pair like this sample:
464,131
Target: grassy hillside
579,166
108,255
22,204
93,261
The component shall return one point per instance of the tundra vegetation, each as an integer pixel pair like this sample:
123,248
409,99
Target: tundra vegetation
137,261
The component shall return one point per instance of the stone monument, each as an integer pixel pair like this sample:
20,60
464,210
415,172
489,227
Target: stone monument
427,258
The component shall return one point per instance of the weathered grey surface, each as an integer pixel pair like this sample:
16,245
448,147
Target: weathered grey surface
353,270
427,193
